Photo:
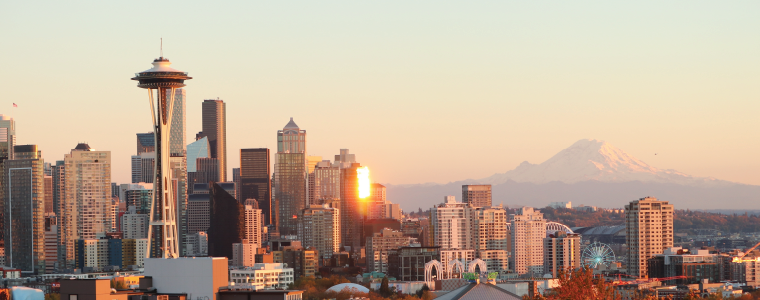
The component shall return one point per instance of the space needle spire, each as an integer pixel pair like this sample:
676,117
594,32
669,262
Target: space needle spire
161,81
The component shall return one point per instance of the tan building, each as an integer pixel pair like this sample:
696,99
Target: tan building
215,129
562,252
452,225
86,201
491,237
528,233
319,227
649,231
477,195
253,223
380,245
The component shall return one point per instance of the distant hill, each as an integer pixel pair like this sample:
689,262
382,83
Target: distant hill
593,173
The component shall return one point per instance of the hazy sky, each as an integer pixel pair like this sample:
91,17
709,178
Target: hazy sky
421,91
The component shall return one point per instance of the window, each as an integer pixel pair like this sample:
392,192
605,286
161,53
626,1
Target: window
73,297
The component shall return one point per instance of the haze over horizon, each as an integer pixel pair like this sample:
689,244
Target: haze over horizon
420,92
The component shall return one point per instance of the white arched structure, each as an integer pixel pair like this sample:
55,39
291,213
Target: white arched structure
477,263
553,227
454,267
429,271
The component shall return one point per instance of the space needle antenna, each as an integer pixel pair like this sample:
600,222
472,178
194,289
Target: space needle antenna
162,47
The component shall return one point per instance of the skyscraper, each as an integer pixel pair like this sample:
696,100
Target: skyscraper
491,237
528,233
86,201
25,209
215,129
562,252
254,179
649,231
142,167
253,228
451,222
352,208
7,141
178,160
319,227
290,172
226,222
197,149
477,195
326,181
163,231
146,142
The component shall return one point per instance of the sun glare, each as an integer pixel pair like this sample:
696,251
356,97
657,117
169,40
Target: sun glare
363,175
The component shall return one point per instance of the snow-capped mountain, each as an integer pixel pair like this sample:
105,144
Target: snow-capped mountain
589,172
599,161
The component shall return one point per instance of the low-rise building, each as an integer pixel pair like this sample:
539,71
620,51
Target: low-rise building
379,245
263,276
696,265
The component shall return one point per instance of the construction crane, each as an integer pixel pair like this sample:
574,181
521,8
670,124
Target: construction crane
741,255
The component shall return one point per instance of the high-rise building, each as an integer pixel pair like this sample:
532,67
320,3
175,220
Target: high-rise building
311,163
86,202
491,237
135,225
195,150
253,223
319,227
562,252
25,210
226,222
7,141
452,225
236,180
326,177
528,233
254,179
137,195
51,244
352,209
48,193
379,246
649,231
146,142
215,129
198,213
58,186
477,195
143,167
290,172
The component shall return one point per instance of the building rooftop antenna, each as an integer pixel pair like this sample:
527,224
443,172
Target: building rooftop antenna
162,47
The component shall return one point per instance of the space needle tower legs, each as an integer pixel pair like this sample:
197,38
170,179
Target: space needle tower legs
163,238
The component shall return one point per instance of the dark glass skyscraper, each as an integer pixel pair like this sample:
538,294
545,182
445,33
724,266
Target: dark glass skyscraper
351,208
226,222
25,209
7,141
254,179
290,177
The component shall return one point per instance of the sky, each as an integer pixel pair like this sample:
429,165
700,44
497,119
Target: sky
420,91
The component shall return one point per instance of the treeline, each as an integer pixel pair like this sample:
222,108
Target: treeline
576,218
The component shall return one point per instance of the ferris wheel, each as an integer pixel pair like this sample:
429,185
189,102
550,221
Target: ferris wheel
597,254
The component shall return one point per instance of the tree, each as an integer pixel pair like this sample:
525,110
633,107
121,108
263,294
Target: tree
119,285
385,291
580,284
51,296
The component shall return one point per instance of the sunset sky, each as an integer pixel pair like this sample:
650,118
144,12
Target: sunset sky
420,91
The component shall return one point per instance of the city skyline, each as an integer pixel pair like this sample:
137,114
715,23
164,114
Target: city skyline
656,81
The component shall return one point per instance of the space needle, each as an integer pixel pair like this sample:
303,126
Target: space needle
162,232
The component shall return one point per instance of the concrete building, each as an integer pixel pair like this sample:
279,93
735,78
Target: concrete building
255,183
290,177
528,233
304,261
215,129
477,195
696,264
491,237
263,276
24,210
463,256
51,243
198,212
138,195
380,245
408,263
86,199
244,254
142,167
562,252
649,231
253,223
326,177
133,252
452,225
197,244
568,204
319,227
200,277
134,225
